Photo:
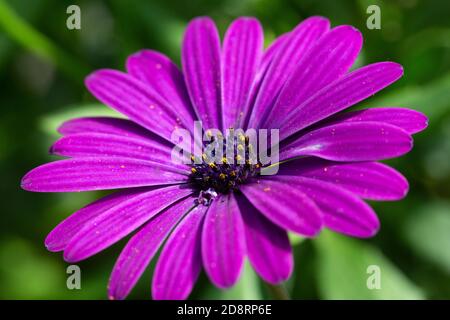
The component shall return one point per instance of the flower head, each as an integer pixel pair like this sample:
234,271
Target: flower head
213,214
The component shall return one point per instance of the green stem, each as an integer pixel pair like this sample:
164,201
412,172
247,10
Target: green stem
23,33
278,292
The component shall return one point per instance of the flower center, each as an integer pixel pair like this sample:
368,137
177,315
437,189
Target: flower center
224,166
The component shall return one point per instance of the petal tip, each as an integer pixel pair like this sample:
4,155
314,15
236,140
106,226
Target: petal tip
27,183
50,244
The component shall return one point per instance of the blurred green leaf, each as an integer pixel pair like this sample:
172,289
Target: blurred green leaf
25,274
295,239
247,288
343,271
428,232
25,34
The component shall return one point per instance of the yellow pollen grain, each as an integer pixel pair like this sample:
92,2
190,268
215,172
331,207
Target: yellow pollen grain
222,176
193,170
266,189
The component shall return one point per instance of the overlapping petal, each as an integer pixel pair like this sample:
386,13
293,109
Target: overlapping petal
342,211
287,207
142,247
180,261
120,220
330,58
223,241
60,236
266,60
137,101
411,121
109,125
108,145
268,247
369,180
339,95
298,42
164,77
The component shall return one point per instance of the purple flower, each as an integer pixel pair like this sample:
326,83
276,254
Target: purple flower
215,215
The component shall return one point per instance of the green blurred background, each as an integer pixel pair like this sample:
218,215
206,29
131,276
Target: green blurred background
42,66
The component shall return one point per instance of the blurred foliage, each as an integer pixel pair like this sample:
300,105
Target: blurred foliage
42,66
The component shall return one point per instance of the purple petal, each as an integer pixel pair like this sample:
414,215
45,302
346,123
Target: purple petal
268,247
201,68
164,77
117,126
369,180
242,51
180,261
285,206
327,61
339,95
99,173
223,242
299,41
141,249
266,60
60,236
108,145
352,141
120,220
275,47
137,101
411,121
342,211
